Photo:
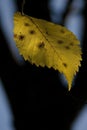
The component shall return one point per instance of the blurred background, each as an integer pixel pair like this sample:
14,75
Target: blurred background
32,97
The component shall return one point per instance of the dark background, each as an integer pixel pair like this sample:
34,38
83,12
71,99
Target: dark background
37,96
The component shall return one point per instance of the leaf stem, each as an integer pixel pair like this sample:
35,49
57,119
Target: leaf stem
22,13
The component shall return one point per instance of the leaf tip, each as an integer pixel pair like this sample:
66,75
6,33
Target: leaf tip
69,87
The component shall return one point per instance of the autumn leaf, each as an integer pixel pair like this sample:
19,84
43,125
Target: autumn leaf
47,44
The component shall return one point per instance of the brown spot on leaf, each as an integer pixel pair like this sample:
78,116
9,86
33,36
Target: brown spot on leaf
41,45
26,24
21,37
64,64
15,35
32,32
62,31
47,32
71,43
60,42
67,47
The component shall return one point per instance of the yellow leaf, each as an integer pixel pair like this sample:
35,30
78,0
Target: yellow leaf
47,44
